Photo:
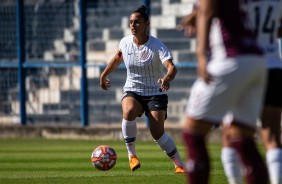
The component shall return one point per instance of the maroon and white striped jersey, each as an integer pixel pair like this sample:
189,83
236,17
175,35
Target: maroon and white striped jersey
232,32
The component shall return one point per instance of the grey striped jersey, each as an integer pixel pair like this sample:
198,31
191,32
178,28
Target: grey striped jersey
144,65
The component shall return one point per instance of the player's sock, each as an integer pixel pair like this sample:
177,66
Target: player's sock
198,162
169,147
231,165
256,171
129,131
274,163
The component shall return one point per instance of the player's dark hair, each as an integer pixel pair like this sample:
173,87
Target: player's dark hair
143,12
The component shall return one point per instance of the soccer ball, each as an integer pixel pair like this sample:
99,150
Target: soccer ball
104,157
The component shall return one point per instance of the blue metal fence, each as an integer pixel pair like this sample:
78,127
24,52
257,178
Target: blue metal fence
52,52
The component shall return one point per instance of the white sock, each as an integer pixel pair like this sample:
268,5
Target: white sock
169,147
129,131
274,164
231,165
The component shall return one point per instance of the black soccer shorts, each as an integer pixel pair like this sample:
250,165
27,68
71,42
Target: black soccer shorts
150,103
273,93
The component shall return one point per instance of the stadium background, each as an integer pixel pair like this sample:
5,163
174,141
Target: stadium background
52,53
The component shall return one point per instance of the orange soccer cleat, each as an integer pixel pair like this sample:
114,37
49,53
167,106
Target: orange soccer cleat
134,163
180,170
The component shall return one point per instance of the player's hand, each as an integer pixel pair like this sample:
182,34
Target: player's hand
188,24
164,84
105,83
203,73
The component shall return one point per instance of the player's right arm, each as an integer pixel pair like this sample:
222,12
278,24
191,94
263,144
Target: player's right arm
112,65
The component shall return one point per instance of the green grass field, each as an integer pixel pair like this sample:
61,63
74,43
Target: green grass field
68,161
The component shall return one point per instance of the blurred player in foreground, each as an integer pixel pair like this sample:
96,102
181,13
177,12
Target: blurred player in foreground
229,88
145,89
266,17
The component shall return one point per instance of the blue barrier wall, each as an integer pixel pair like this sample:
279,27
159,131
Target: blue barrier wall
52,53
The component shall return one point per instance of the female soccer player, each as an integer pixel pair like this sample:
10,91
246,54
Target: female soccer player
145,87
229,88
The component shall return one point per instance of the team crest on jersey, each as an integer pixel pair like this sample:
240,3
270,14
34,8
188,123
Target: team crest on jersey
144,56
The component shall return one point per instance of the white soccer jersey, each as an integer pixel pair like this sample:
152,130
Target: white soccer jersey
144,65
265,16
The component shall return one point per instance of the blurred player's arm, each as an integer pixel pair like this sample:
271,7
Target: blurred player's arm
188,22
112,65
205,13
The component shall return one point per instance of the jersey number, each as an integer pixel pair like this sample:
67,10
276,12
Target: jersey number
268,24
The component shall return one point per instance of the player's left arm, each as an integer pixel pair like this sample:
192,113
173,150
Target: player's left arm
170,75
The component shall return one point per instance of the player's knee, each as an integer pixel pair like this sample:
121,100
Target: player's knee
156,134
239,130
156,131
270,138
129,114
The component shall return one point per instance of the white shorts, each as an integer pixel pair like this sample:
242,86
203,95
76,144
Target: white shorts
237,90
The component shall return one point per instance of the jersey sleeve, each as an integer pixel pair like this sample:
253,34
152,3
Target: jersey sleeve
121,45
163,52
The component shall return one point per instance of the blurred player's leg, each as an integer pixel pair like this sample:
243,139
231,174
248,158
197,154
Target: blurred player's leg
230,160
274,163
274,160
271,125
198,162
231,165
256,171
241,125
241,139
270,132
